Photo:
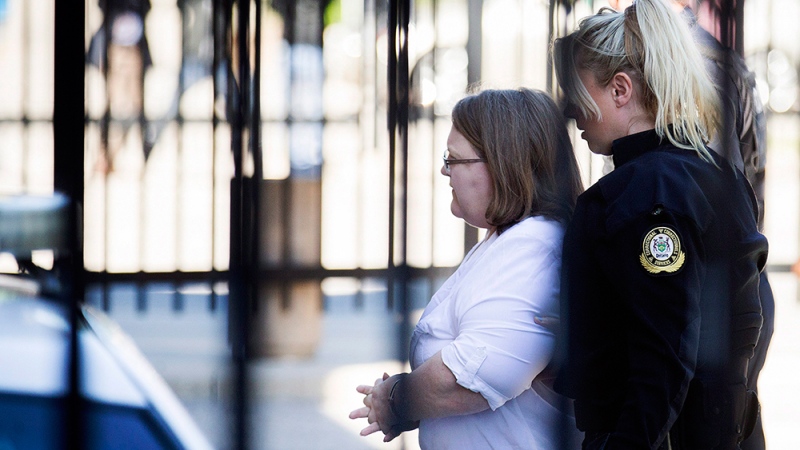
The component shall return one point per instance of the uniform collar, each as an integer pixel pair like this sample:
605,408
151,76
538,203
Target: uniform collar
689,16
629,147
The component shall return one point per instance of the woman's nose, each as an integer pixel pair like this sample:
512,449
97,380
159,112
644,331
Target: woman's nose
443,171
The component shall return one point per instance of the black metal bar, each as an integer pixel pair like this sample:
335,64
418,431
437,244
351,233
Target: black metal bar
474,40
255,119
178,298
564,426
290,34
118,277
392,123
143,132
26,52
731,24
241,261
727,25
403,82
475,56
213,299
236,288
399,18
106,298
68,157
551,32
254,281
105,123
738,33
288,272
430,114
179,223
368,108
235,97
141,296
218,62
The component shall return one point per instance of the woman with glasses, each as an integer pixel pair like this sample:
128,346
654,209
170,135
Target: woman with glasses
477,353
662,257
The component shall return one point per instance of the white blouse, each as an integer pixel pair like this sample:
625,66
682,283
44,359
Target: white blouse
482,320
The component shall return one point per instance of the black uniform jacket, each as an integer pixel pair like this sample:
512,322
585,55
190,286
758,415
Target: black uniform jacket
660,289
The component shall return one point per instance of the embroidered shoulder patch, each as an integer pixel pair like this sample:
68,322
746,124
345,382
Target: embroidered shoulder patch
661,251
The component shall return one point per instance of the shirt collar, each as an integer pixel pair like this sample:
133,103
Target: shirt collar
629,147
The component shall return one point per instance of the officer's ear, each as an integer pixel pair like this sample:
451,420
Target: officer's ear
621,87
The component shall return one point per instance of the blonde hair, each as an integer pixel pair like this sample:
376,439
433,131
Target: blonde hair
529,155
653,45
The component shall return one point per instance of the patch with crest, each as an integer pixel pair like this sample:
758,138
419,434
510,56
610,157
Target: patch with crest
661,251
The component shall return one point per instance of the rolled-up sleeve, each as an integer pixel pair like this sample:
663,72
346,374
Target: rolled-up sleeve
499,348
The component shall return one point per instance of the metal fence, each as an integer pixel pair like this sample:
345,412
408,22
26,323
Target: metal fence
269,153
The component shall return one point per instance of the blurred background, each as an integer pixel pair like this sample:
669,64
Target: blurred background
265,176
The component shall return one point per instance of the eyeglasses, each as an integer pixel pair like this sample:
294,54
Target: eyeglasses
448,161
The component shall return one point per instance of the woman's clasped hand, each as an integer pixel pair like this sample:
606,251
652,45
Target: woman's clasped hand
378,409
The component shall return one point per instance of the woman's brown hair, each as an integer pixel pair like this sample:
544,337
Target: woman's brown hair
523,137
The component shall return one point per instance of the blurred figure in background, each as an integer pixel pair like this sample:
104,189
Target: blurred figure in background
119,50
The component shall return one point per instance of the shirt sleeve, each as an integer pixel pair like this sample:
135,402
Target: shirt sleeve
499,348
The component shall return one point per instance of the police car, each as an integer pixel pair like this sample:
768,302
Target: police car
125,402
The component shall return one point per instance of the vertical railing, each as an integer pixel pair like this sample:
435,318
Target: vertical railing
475,60
244,196
68,154
398,90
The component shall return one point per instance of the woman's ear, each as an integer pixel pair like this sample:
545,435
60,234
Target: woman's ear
621,89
